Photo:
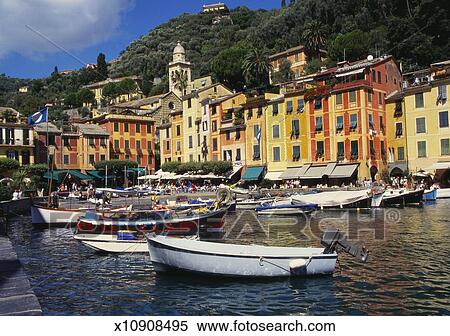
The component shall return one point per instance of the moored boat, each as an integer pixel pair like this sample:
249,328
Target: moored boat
336,199
285,209
429,195
232,260
443,193
113,243
402,197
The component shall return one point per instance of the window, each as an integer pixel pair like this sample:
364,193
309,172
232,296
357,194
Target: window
116,144
295,128
214,144
379,77
205,126
296,58
398,129
51,140
256,131
275,108
354,149
250,112
339,123
178,130
318,103
214,126
91,159
198,139
260,111
289,106
238,134
340,150
421,149
401,153
383,148
191,144
103,142
66,142
238,154
92,142
353,122
442,94
138,144
420,125
296,153
126,127
370,121
214,110
228,135
66,159
443,119
256,152
167,133
352,96
138,128
190,122
339,98
167,144
276,154
319,125
25,157
149,128
445,147
116,127
127,144
380,98
149,146
372,148
369,97
419,100
275,131
320,149
189,102
149,159
300,105
374,76
178,146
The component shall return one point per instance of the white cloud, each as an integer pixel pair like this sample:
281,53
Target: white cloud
70,24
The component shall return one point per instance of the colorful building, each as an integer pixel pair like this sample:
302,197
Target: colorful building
131,137
396,134
16,137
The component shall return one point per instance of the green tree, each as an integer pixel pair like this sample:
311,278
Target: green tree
227,66
7,166
102,67
180,78
256,67
126,86
355,45
146,83
86,96
72,100
314,37
283,3
110,91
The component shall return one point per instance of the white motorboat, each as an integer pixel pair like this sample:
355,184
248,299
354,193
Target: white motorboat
112,243
443,193
231,260
337,199
251,204
285,208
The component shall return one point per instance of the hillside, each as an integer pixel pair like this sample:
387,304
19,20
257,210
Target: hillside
416,32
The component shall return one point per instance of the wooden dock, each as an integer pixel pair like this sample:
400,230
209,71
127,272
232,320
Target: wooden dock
16,295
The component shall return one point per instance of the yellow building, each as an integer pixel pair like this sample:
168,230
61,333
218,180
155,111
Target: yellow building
427,122
396,134
196,122
16,137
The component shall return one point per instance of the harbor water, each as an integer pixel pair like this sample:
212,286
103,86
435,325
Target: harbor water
408,272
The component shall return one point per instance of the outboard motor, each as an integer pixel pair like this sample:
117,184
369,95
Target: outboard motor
335,241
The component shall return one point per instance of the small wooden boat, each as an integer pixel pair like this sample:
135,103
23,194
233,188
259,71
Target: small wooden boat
43,215
285,209
231,260
430,195
122,235
402,197
340,199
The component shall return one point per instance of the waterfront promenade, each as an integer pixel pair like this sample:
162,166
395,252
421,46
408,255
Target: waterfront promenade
16,295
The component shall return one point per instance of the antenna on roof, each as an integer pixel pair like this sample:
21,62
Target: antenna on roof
344,54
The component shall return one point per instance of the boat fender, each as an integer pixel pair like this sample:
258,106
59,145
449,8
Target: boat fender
298,267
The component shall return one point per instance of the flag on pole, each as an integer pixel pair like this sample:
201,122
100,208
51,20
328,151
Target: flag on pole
258,135
38,117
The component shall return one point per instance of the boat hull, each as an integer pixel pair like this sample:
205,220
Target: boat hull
430,195
408,197
110,244
47,216
182,255
443,193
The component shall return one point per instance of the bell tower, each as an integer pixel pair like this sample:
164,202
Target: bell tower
180,73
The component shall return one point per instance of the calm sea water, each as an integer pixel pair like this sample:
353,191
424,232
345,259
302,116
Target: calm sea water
409,271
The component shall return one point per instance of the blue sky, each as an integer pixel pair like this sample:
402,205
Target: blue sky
84,28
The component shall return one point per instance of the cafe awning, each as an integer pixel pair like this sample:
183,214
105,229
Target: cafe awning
273,176
79,175
344,171
314,172
253,174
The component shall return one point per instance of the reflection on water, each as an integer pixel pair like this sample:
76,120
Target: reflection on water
408,273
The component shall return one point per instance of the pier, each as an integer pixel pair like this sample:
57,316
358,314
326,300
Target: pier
16,295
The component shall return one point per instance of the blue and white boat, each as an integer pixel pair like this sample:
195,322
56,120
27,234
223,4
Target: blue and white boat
285,208
430,195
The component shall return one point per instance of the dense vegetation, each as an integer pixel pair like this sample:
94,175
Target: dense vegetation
235,51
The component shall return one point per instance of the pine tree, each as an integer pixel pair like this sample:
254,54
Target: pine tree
283,3
102,67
